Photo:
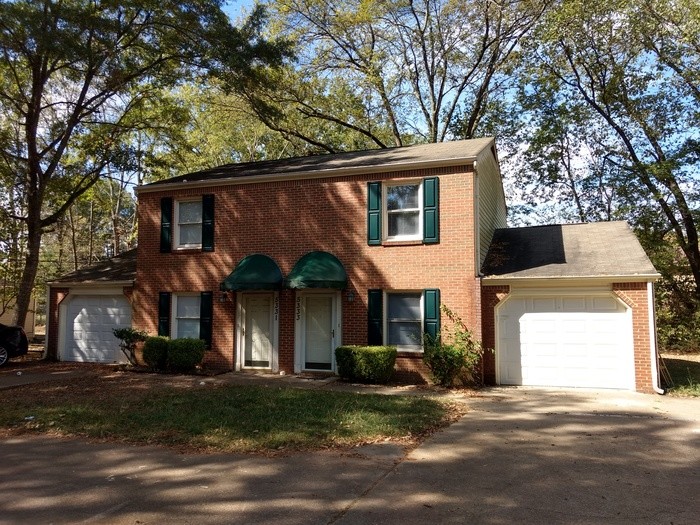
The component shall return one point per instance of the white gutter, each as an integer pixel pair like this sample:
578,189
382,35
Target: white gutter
652,341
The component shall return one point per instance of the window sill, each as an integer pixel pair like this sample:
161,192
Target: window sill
415,242
188,249
410,353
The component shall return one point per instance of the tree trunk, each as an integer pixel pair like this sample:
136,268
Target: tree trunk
31,266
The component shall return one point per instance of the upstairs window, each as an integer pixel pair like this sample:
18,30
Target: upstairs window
403,212
187,224
188,233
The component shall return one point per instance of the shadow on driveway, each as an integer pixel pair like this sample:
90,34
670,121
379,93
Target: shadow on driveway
520,456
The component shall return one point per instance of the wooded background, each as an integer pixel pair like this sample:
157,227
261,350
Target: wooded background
595,106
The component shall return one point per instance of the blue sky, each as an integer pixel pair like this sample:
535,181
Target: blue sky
233,8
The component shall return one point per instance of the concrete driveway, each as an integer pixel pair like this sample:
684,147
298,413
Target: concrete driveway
520,456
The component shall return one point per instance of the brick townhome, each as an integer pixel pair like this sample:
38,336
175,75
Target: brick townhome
276,263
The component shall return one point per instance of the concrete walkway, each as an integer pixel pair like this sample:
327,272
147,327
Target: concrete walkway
519,456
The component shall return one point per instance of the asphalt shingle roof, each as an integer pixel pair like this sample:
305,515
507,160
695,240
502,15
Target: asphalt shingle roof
602,249
447,153
119,268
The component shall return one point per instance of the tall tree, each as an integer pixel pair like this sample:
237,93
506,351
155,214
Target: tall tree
392,72
73,74
634,67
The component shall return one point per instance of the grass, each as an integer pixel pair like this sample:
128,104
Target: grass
232,418
685,374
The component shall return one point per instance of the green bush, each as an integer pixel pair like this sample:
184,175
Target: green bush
453,355
366,364
155,352
129,339
185,354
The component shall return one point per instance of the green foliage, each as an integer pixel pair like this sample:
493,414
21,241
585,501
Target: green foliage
609,97
366,364
684,372
453,355
155,352
129,339
74,80
185,354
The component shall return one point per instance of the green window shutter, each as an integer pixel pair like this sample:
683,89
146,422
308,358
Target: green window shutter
208,223
164,314
166,224
206,314
431,312
374,213
431,210
375,317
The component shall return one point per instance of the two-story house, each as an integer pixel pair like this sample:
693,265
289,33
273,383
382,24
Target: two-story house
277,263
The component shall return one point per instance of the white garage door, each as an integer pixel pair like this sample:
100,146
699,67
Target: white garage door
571,341
90,320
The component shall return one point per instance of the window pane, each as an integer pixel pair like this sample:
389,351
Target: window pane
188,306
190,212
402,197
405,333
404,306
405,223
191,234
188,328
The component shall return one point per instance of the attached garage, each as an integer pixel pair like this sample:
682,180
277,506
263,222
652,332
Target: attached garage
86,306
90,321
569,306
549,339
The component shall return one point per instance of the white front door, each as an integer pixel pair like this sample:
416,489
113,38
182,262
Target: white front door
317,330
257,331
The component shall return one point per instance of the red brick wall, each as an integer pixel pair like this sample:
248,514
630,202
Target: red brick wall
635,296
288,219
490,297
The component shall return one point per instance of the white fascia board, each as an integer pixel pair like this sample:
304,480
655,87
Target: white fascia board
539,282
90,285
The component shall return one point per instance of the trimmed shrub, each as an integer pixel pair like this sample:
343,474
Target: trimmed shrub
366,364
129,338
155,352
185,354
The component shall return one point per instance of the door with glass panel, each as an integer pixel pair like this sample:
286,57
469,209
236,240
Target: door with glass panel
257,330
319,331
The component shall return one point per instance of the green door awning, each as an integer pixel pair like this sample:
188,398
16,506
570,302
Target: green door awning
254,272
318,270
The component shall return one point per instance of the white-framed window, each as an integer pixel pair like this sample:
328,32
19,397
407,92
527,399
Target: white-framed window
404,320
186,313
188,224
403,209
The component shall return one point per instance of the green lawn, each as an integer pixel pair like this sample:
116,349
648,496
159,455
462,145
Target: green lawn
685,375
232,418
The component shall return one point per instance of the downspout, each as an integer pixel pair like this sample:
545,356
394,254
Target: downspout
652,340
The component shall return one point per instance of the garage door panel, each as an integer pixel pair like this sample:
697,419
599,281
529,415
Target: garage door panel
581,341
574,304
89,335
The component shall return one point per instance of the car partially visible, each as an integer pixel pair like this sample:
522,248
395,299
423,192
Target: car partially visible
13,343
